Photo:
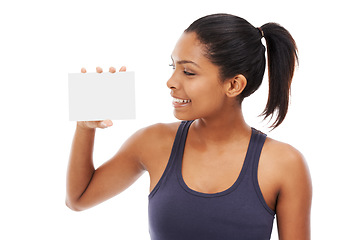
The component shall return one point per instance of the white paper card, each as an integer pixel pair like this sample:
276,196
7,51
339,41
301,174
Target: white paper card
99,96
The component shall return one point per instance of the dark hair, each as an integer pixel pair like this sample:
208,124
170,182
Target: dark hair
235,46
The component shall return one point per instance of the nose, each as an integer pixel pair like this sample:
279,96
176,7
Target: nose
172,83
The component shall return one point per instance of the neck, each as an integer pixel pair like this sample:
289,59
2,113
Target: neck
225,128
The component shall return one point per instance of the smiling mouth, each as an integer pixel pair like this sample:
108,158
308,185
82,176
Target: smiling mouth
177,100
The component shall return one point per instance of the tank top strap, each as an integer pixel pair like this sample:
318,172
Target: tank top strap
179,143
258,144
177,148
181,146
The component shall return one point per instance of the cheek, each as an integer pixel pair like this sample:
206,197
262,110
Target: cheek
204,92
207,96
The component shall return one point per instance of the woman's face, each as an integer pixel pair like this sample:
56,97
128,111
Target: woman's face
195,85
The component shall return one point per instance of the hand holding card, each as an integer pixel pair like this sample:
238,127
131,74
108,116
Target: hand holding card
99,96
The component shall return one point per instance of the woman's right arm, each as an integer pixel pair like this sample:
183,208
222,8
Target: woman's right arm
81,167
86,186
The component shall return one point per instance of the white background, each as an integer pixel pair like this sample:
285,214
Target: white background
42,41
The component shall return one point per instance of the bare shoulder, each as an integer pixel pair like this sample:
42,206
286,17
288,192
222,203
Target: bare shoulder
283,154
287,164
157,133
153,143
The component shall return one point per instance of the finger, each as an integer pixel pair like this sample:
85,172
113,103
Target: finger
83,70
112,69
99,70
105,123
123,69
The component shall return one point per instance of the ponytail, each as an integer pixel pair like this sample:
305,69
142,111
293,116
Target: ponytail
281,57
234,45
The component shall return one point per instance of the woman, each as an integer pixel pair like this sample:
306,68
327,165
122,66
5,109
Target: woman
211,176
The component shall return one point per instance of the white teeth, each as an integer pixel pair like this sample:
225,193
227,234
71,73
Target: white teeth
177,100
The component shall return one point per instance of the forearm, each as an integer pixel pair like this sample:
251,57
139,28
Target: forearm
81,167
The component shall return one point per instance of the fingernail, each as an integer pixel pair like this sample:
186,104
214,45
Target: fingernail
112,69
103,124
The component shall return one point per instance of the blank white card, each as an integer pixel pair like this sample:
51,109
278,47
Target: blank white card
99,96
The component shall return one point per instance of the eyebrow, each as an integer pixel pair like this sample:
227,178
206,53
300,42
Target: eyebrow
186,61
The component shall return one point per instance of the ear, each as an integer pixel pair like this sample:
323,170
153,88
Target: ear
234,86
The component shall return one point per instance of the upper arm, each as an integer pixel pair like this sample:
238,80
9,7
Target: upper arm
119,172
294,199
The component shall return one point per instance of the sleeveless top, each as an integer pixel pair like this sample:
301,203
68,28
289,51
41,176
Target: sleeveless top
240,212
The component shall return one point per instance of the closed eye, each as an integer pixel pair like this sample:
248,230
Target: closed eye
188,73
185,72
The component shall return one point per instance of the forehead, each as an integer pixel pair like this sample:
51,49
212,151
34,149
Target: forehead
189,47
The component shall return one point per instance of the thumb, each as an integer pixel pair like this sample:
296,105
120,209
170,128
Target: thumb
105,123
